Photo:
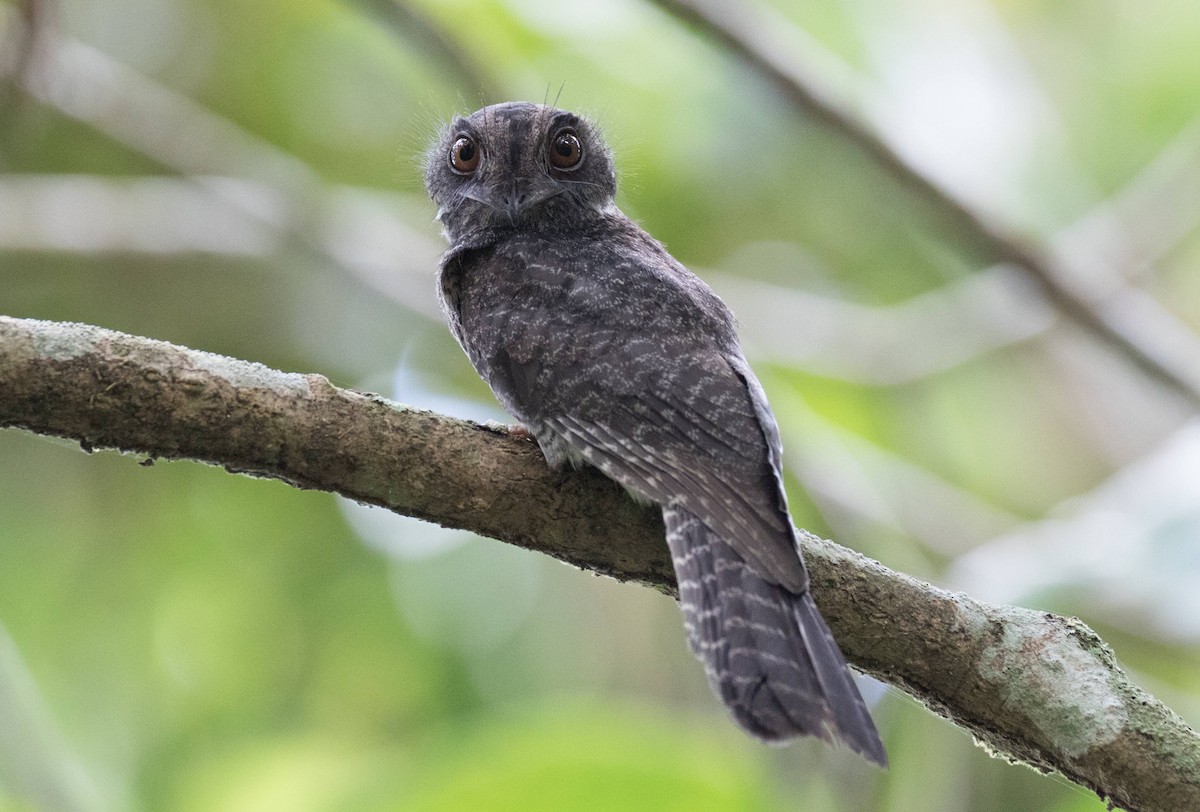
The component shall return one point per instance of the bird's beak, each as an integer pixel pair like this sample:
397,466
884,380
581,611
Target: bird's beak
514,200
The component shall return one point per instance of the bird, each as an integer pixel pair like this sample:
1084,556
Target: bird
612,354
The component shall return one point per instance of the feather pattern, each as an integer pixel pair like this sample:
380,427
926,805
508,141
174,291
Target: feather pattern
615,355
765,650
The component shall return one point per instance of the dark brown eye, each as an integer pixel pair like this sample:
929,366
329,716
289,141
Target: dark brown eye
566,152
464,155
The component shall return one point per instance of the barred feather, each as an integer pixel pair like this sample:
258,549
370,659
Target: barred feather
766,651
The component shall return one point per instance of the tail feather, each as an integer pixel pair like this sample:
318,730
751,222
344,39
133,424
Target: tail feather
768,654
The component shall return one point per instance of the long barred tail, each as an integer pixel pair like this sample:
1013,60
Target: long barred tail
768,654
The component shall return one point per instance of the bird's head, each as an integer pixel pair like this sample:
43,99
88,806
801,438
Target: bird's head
518,165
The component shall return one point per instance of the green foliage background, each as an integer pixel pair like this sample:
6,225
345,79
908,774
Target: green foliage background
174,637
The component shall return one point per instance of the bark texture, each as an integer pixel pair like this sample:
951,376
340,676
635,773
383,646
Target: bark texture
1033,687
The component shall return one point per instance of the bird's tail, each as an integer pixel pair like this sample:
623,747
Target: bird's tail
768,654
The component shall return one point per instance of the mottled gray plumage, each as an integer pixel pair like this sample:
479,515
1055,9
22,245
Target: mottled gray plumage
614,354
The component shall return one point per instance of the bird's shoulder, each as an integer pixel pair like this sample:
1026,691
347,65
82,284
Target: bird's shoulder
611,273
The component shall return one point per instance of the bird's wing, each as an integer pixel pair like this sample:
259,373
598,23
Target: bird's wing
698,435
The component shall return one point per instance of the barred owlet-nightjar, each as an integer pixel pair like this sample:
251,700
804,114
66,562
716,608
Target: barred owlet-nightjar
614,355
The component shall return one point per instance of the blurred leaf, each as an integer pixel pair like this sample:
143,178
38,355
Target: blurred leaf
576,754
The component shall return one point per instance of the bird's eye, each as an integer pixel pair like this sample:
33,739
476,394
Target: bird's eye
464,155
566,152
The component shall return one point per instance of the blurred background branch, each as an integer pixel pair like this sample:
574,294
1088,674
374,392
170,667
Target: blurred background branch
408,23
1131,323
36,762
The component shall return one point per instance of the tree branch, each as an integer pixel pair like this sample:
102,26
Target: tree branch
1165,357
1034,687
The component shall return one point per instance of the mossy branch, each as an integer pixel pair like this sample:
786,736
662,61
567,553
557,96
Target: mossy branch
1033,687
